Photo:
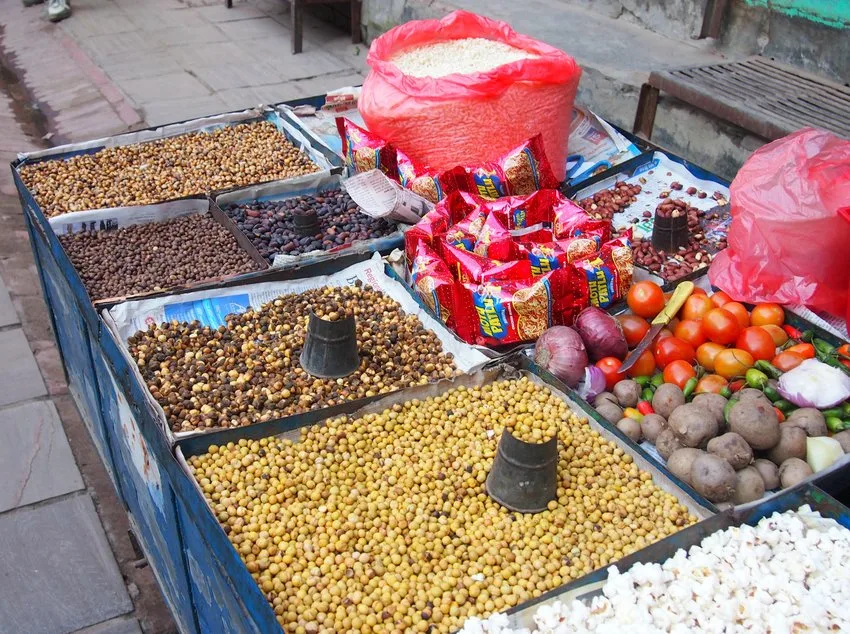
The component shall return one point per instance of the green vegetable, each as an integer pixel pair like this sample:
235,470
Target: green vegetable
823,347
769,369
647,394
726,392
728,408
807,336
835,424
835,412
756,378
643,381
657,380
846,410
784,406
771,393
690,386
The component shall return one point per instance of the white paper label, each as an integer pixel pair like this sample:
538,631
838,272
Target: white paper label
381,197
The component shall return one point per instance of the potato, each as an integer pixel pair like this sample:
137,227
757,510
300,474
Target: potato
667,398
793,471
666,443
627,393
630,427
843,438
809,419
792,444
769,472
713,477
732,448
714,403
605,397
750,393
693,425
749,486
680,461
651,426
756,421
610,411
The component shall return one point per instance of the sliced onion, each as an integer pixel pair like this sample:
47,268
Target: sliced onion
814,384
592,385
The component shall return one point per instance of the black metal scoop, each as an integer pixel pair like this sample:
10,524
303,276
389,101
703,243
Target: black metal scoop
524,476
330,347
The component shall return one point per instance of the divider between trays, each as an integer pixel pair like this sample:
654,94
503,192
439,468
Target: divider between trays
212,305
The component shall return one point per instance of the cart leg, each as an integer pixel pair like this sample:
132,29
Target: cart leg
645,115
297,25
356,36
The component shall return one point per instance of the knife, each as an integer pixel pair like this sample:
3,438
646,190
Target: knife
677,300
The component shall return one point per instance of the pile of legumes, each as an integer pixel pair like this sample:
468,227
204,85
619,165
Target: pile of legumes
464,56
382,523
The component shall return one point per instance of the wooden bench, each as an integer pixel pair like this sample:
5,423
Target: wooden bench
296,10
757,94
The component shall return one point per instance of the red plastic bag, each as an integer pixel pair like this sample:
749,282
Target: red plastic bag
788,242
441,122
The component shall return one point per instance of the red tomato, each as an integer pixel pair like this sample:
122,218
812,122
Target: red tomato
844,351
644,366
706,354
672,349
713,383
779,336
610,368
634,328
663,334
805,350
757,341
720,298
698,291
733,362
721,326
645,299
764,314
785,361
690,331
696,307
679,372
740,312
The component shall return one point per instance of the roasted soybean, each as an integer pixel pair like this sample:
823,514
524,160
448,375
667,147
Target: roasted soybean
382,524
248,370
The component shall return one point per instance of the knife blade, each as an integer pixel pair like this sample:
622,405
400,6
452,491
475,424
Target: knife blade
677,300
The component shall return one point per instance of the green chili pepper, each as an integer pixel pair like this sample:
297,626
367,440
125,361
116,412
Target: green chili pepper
725,392
657,380
690,386
835,412
769,369
756,378
771,393
728,408
835,363
835,424
643,381
824,347
784,406
807,336
647,394
846,410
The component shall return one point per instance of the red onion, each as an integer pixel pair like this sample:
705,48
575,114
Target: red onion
592,385
561,351
602,334
814,384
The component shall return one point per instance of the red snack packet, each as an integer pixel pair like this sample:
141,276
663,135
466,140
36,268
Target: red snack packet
473,223
364,151
549,256
608,273
520,172
570,221
434,283
432,225
521,310
469,267
458,239
458,205
430,184
495,241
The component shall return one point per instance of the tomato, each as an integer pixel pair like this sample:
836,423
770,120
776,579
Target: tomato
758,342
706,354
785,361
740,312
679,372
732,362
721,326
690,331
720,298
663,334
698,291
713,383
672,349
644,366
696,307
634,328
645,299
779,336
610,367
805,350
844,351
764,314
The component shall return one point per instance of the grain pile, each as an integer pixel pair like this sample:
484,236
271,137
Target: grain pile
464,56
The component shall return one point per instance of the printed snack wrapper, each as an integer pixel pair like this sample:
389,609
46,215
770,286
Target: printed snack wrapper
364,151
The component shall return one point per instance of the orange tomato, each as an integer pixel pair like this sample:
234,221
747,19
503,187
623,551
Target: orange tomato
720,298
690,331
721,326
757,341
698,291
844,351
610,367
785,361
764,314
645,299
644,366
706,354
634,328
679,372
713,383
740,312
733,362
805,350
779,336
696,307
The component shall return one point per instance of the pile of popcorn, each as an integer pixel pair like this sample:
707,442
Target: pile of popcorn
785,575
